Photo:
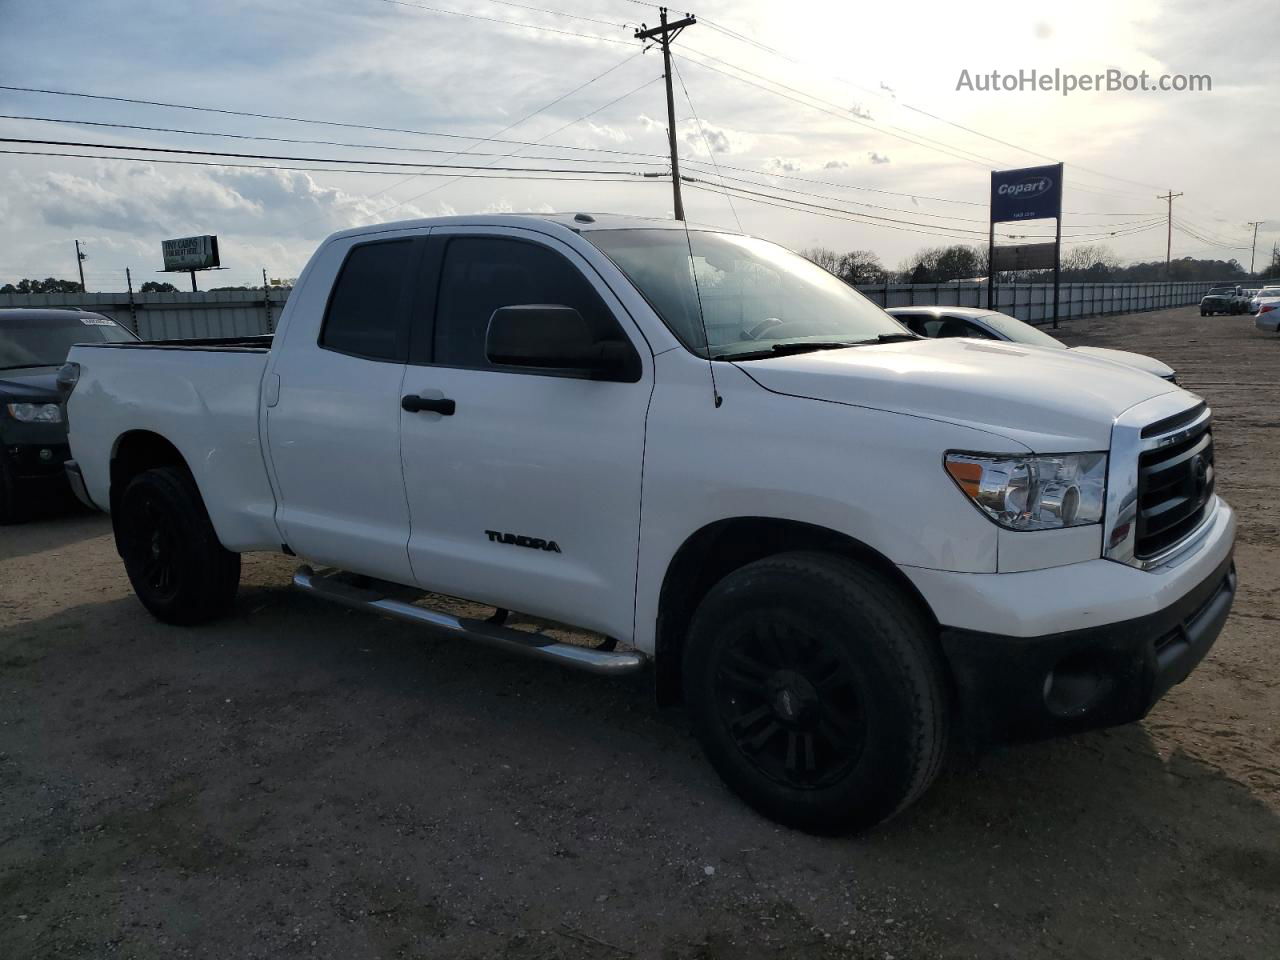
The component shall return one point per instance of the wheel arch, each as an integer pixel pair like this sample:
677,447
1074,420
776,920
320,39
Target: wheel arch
137,450
713,552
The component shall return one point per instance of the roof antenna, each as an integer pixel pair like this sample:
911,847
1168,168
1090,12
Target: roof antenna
702,317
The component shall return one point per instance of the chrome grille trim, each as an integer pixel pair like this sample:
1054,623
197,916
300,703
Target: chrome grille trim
1120,541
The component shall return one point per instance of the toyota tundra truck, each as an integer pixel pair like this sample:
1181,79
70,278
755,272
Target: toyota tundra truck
840,545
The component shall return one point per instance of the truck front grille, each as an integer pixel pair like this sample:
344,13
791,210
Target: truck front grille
1175,485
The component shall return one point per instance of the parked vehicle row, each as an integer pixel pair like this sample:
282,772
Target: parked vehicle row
839,543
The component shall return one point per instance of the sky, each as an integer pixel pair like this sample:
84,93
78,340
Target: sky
844,121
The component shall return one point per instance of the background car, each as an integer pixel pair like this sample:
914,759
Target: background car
1240,302
1218,300
942,321
1266,293
33,434
1268,318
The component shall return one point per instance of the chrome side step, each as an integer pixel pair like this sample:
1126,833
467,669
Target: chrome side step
389,600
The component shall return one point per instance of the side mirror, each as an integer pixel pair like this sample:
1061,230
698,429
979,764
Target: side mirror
553,337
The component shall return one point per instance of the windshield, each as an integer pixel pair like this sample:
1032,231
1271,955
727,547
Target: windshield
1019,332
1221,291
756,296
44,341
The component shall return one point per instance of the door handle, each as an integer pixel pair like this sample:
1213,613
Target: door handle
416,404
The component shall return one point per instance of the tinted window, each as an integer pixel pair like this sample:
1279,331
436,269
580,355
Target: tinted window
37,341
364,315
481,274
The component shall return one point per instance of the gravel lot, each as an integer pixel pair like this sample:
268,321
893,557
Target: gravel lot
301,780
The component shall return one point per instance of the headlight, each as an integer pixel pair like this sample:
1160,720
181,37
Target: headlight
1033,493
35,412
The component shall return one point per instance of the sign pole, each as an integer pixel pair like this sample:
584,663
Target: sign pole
991,258
1057,253
193,282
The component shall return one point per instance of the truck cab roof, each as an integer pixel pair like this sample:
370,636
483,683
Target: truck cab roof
579,222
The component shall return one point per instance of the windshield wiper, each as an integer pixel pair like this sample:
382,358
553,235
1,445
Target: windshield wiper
807,346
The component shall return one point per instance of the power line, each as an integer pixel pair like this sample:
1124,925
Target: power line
551,134
609,176
319,122
268,156
528,116
735,35
324,143
705,141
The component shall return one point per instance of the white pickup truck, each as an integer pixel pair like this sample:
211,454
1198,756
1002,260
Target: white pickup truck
837,543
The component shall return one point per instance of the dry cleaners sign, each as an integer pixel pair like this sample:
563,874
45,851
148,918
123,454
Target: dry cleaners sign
190,253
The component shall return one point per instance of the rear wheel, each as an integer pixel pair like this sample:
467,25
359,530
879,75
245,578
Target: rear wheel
816,691
178,569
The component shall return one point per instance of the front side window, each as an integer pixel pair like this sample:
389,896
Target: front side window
44,341
482,274
364,316
753,295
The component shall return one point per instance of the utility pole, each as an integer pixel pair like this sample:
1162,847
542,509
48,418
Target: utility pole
80,259
664,33
1168,249
1253,251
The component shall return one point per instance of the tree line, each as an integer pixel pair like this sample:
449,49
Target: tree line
1084,263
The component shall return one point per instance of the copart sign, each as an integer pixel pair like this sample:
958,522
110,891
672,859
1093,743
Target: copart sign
1031,193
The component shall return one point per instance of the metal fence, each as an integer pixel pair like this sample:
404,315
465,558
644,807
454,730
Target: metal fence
1033,302
172,316
243,313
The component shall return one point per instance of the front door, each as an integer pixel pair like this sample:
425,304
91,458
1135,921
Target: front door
527,494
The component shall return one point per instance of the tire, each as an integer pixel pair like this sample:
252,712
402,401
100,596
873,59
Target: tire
817,691
178,569
10,511
1204,313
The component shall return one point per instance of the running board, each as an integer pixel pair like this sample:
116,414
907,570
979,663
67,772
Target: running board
382,598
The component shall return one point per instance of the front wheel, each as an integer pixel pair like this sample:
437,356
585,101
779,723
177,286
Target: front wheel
817,691
178,569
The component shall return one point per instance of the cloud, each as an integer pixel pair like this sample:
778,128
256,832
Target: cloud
612,134
835,165
878,157
708,137
858,110
781,165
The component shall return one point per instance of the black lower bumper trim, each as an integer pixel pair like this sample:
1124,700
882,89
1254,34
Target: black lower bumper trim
1027,688
76,480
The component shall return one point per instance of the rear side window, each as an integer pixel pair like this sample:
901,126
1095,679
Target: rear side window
481,274
365,314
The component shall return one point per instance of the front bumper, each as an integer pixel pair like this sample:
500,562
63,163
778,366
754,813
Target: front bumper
1022,688
38,462
1268,322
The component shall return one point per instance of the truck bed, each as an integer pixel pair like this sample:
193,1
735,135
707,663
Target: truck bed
203,398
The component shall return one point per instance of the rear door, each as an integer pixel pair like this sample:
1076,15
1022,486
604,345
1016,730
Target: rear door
333,409
526,496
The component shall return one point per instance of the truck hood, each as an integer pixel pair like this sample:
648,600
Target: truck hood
1138,361
1049,400
29,383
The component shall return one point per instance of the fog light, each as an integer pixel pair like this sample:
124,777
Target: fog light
1076,685
46,454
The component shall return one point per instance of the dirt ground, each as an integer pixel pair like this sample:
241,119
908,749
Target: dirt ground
301,780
